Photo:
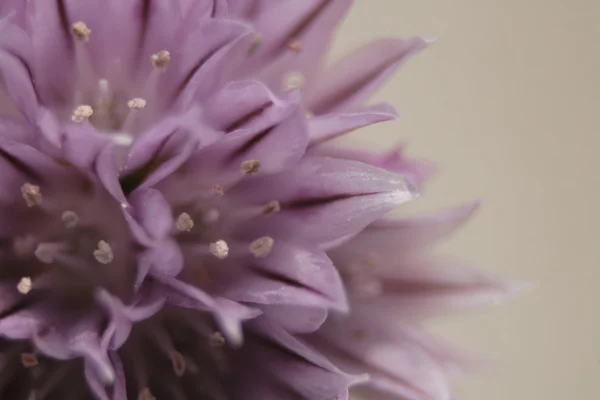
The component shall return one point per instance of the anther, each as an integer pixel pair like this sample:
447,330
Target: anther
81,31
218,190
262,247
293,81
219,249
104,253
295,45
178,363
24,285
31,194
70,219
29,360
217,339
272,207
161,59
46,252
136,103
146,394
250,167
82,113
184,222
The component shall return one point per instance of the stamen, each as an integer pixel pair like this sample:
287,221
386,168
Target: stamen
145,394
136,103
250,167
46,252
295,45
293,81
184,222
262,247
218,190
272,207
24,285
178,363
29,360
104,253
217,340
70,219
81,31
82,113
161,59
121,139
32,194
130,121
255,45
219,249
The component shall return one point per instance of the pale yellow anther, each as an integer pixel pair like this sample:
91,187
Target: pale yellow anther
295,45
104,253
184,222
262,247
218,190
81,31
219,249
32,194
217,339
161,59
272,207
136,104
250,167
24,285
293,81
70,219
82,113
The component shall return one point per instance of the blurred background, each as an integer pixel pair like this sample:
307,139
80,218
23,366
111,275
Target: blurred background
507,104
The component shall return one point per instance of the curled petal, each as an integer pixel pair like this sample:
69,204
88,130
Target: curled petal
327,199
329,126
353,79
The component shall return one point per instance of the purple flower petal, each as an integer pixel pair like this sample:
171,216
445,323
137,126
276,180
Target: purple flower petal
353,79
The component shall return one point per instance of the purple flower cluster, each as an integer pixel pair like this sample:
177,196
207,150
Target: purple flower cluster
176,224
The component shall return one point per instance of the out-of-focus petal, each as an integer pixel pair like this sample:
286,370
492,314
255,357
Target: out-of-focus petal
352,80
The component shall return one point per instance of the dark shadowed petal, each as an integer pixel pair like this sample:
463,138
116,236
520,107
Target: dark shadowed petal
326,199
288,367
329,126
356,77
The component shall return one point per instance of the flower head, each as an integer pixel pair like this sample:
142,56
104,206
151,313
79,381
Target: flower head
173,225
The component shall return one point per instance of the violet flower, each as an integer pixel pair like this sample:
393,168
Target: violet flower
173,225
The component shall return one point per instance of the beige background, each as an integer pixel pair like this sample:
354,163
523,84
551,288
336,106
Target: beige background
507,102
